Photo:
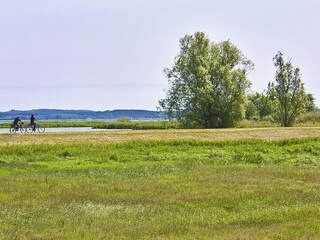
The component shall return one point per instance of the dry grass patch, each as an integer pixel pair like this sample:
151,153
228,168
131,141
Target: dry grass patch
195,134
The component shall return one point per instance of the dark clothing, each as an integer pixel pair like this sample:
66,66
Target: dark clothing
32,122
16,120
32,119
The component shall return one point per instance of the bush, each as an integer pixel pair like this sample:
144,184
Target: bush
307,119
123,119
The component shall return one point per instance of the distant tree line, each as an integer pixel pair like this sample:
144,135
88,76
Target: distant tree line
209,87
59,114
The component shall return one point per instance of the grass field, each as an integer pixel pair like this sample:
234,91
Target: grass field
169,184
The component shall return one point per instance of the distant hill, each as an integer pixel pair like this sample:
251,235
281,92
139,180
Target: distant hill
58,114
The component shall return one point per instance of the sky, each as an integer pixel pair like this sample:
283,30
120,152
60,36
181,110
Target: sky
110,54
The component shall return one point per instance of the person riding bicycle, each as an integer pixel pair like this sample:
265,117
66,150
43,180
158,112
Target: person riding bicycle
16,121
33,122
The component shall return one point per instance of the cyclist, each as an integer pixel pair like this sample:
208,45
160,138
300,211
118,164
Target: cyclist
16,121
33,122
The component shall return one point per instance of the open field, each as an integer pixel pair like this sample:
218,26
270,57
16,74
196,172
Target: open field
169,184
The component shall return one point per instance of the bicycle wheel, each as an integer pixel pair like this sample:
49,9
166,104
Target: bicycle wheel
22,129
40,128
29,129
13,130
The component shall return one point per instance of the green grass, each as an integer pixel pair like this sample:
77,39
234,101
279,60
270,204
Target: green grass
157,189
119,124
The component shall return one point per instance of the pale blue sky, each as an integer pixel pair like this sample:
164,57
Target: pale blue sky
103,55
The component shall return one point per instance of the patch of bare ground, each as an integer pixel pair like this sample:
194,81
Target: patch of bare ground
194,134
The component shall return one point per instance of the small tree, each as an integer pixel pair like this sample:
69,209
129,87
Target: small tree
287,92
310,105
259,106
207,82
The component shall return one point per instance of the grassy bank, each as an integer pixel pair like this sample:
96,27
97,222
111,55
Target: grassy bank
305,120
133,186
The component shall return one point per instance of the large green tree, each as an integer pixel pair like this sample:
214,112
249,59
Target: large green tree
287,92
208,82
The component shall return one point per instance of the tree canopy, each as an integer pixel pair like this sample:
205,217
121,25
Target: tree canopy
207,83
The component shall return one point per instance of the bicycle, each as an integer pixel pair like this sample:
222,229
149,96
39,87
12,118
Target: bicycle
37,128
17,128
